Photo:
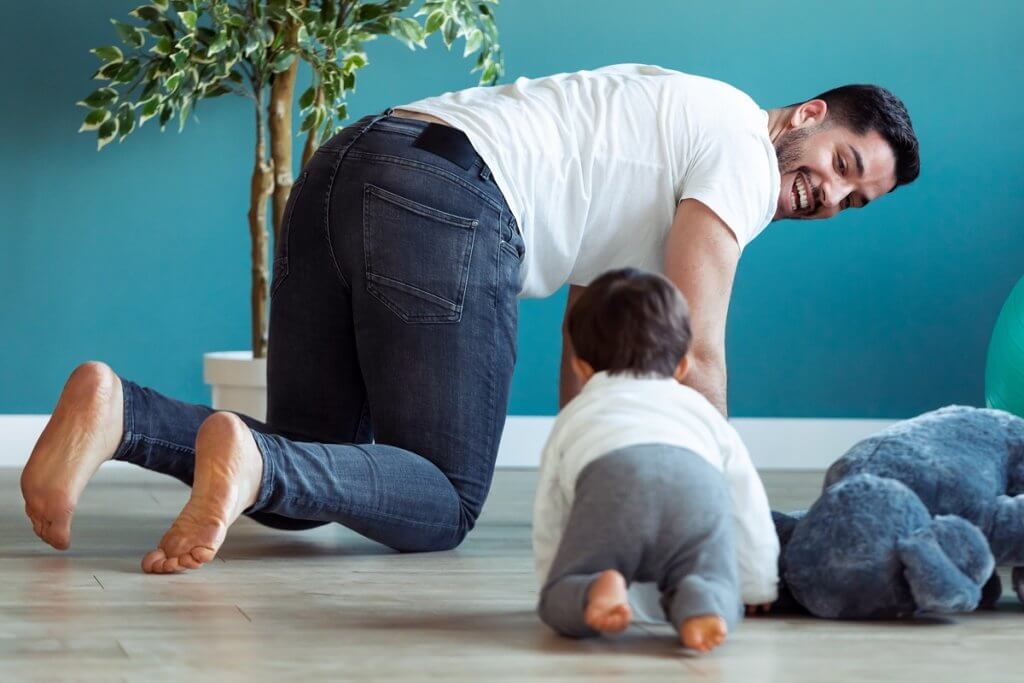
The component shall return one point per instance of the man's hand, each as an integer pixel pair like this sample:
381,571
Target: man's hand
701,255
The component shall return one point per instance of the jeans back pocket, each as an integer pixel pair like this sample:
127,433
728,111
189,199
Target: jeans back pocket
417,257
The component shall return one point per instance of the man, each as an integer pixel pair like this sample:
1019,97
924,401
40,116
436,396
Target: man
410,236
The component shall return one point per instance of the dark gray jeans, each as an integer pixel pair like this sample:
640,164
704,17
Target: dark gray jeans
655,513
392,343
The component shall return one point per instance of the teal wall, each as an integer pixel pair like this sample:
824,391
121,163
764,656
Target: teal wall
138,255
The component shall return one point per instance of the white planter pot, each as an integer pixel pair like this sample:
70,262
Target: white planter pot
238,382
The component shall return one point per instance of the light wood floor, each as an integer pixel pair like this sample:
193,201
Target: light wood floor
327,605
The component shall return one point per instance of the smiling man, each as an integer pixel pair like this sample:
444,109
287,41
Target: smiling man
839,150
410,237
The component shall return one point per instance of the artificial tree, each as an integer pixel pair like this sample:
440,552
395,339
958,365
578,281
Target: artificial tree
177,52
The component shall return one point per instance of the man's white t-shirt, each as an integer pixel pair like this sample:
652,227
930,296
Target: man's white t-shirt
593,163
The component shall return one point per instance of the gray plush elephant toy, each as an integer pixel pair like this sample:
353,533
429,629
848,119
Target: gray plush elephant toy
912,520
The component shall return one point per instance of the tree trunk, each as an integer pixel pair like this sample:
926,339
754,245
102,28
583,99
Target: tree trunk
314,133
261,188
282,93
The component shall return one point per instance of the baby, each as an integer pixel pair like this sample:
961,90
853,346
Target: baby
643,480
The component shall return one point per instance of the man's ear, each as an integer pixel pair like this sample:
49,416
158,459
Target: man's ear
810,113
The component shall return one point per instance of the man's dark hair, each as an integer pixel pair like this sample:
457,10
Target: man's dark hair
863,108
630,321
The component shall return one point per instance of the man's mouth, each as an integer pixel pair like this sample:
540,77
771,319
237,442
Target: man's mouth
800,195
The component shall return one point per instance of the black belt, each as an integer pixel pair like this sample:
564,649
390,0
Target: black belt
450,143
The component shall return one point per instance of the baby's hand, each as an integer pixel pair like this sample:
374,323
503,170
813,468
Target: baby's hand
754,610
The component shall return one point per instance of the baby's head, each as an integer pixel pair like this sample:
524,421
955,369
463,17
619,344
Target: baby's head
629,321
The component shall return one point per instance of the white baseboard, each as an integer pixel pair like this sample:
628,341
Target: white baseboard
774,443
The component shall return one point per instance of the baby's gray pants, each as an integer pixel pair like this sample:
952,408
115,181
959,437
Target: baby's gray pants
655,513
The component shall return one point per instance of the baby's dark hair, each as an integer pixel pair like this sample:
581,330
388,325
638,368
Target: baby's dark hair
630,321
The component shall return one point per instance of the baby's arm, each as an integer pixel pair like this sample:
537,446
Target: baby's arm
757,545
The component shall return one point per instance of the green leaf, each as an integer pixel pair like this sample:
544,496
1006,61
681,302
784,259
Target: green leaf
161,28
189,18
103,97
183,114
283,61
309,122
152,84
173,81
450,33
369,12
106,133
435,20
148,109
160,5
179,59
125,120
216,90
356,60
146,13
349,80
490,74
108,54
218,44
130,35
162,47
94,119
166,112
252,43
129,70
307,98
473,42
108,72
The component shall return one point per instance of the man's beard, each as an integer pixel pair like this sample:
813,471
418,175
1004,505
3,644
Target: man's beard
790,146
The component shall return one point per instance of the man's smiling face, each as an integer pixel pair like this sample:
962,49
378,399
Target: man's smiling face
827,168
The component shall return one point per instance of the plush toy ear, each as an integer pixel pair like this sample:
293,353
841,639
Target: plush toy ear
946,564
785,524
1007,530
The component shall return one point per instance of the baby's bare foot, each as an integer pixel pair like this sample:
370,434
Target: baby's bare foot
703,633
228,471
608,603
83,432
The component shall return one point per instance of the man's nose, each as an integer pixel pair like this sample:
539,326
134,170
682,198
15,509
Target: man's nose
832,193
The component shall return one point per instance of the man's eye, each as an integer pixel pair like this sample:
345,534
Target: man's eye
842,166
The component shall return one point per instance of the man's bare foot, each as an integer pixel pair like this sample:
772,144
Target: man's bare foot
228,471
703,633
608,603
83,432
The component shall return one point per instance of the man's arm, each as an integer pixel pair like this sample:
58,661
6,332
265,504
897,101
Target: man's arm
568,383
701,255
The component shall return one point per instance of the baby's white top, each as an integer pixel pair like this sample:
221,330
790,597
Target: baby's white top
593,163
615,411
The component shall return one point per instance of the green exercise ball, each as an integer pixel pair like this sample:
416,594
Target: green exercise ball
1004,370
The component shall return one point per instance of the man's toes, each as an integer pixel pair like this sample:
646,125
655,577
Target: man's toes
58,534
202,554
189,562
152,560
